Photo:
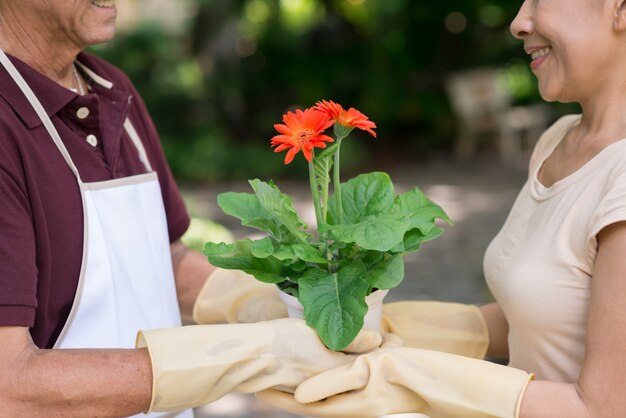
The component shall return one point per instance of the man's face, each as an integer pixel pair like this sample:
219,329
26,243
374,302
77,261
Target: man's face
78,22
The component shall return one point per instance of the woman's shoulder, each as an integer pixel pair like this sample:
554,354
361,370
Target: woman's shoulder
551,137
557,130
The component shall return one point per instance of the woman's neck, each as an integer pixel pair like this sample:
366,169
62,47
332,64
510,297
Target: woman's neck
604,113
603,127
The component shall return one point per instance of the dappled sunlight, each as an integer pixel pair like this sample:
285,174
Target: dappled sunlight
300,15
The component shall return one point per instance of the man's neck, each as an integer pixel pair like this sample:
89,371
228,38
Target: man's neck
50,58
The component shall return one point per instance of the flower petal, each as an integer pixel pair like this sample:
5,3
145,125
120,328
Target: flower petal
283,129
291,154
302,130
307,153
282,147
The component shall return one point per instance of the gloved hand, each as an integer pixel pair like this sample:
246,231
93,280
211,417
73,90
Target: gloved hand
441,326
197,364
403,380
232,296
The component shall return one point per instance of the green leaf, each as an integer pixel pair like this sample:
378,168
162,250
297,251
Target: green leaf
419,210
309,253
434,233
279,206
322,163
380,233
290,253
262,248
412,241
298,267
285,253
386,274
314,273
212,248
238,256
363,196
247,208
334,304
414,238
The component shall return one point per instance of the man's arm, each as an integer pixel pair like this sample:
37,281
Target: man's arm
210,295
191,269
64,382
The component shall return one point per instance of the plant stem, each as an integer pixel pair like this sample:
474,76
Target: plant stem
315,195
337,183
325,202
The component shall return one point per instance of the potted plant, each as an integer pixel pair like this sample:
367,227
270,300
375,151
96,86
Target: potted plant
363,229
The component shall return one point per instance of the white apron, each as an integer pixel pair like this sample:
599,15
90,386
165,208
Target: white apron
126,280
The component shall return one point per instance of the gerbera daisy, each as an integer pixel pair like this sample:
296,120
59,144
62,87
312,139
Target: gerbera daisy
351,118
302,130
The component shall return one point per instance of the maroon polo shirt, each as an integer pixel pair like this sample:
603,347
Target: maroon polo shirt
41,214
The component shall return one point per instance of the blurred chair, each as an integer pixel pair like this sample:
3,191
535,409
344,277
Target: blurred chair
483,106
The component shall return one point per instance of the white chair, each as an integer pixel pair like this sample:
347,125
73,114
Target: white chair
483,106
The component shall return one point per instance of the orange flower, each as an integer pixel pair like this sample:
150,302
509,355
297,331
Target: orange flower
302,131
350,118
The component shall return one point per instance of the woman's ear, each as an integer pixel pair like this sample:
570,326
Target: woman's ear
619,22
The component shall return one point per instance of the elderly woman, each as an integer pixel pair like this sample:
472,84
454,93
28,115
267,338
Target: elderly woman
90,221
557,268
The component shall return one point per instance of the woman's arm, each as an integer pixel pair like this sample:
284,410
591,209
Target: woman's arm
602,383
55,383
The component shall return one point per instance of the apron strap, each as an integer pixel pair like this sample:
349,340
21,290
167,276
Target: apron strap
132,133
36,104
6,62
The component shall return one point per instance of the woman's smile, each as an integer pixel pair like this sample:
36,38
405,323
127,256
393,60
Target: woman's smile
538,55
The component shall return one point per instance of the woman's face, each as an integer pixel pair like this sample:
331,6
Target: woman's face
568,41
78,22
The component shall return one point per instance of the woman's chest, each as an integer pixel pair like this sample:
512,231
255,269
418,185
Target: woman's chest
539,267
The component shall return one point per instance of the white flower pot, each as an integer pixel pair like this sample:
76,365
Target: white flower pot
372,318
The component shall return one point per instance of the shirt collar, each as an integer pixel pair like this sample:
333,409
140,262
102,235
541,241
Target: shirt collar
53,96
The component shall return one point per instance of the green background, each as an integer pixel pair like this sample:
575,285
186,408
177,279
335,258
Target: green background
217,83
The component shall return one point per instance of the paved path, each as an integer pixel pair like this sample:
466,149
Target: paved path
476,196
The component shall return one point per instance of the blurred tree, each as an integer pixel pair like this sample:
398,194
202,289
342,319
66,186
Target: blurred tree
216,86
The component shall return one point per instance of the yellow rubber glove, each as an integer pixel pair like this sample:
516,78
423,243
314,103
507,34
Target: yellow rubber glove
441,326
403,380
232,296
197,364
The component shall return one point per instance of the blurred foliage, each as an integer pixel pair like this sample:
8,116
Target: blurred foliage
202,230
216,86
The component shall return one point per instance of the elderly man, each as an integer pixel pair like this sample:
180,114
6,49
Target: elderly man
90,253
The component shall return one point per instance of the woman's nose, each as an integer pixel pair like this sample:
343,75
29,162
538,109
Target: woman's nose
522,25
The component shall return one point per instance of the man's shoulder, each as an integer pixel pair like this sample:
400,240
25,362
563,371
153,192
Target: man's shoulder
12,130
11,126
10,123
